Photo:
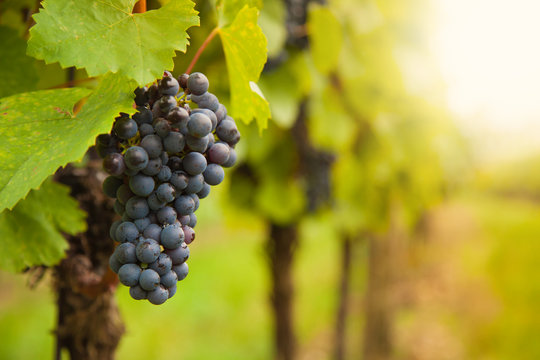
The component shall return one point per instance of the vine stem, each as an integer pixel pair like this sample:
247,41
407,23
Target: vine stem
201,49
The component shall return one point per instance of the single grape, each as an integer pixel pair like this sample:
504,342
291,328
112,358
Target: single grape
142,185
153,167
231,160
214,174
153,146
169,279
152,231
166,215
197,83
179,180
166,192
199,125
137,207
164,174
189,234
136,158
153,94
174,142
145,130
114,164
195,184
211,115
149,279
181,271
194,163
171,236
228,132
211,141
182,80
178,255
158,296
162,265
111,185
137,292
125,128
131,172
219,153
184,205
129,274
169,86
125,253
162,127
147,251
184,219
179,118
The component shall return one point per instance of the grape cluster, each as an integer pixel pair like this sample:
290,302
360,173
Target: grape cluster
162,160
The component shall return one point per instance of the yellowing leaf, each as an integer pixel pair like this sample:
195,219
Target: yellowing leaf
104,36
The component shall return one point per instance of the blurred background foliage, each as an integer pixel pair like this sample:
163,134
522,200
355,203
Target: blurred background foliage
361,176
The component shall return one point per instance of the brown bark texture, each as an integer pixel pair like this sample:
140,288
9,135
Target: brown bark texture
89,325
281,247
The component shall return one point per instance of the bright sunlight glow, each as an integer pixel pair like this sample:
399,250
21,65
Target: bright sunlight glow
489,55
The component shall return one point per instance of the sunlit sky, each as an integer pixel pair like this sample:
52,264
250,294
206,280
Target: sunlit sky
489,55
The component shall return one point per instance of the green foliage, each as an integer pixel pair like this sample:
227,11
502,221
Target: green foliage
42,131
326,37
17,70
272,23
32,233
244,45
103,36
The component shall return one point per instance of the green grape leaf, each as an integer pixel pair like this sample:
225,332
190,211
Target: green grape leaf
17,70
244,45
41,131
104,36
325,38
31,233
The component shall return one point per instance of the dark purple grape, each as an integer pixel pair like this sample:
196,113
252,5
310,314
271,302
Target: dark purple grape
197,144
193,220
189,234
158,296
152,231
125,128
145,130
153,167
128,274
137,208
207,101
137,292
166,192
195,184
178,255
169,86
171,236
197,83
147,251
214,174
125,253
184,219
141,96
169,279
136,158
153,145
162,265
149,279
126,232
119,208
204,192
166,215
124,193
199,125
219,153
228,132
182,80
179,180
162,127
231,160
196,201
175,163
164,174
181,271
166,103
221,113
154,203
174,142
194,163
211,115
142,185
143,116
111,185
184,205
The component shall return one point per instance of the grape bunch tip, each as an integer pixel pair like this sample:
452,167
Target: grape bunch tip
161,161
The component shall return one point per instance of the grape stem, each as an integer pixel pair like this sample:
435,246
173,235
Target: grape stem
201,49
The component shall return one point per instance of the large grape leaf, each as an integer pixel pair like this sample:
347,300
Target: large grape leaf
41,132
17,72
104,36
228,9
244,45
31,233
325,37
